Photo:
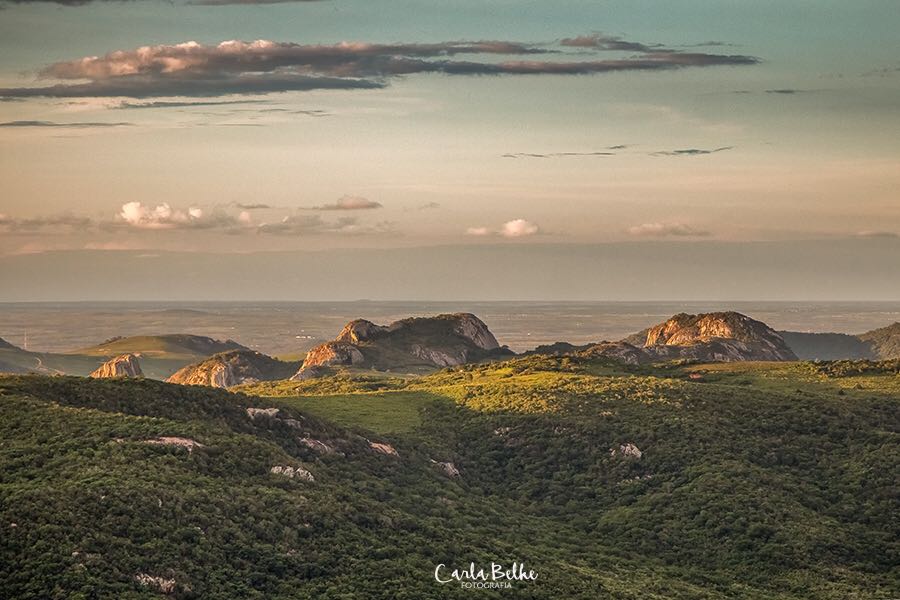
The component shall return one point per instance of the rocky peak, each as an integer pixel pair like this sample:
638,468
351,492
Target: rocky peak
234,367
440,341
126,365
684,329
359,330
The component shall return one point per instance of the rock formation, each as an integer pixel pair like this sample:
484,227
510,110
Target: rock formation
126,365
292,472
234,367
711,337
441,341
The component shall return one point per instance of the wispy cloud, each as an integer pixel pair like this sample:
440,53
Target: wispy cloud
299,225
667,230
878,234
558,154
183,104
76,125
350,203
50,222
73,3
691,151
262,67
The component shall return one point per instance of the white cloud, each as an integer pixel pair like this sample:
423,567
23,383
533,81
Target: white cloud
666,230
510,229
164,216
518,228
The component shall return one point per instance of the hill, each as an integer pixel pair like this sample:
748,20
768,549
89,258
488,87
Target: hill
174,346
415,343
878,344
709,337
884,342
159,355
757,480
235,367
827,346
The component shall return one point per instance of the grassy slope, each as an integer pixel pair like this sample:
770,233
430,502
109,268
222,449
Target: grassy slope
762,474
761,481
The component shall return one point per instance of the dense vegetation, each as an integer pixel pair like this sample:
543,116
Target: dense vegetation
673,481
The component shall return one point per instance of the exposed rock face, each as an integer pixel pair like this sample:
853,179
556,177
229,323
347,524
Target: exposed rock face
292,472
689,330
254,413
441,341
160,584
178,442
628,450
447,468
232,368
333,353
126,365
317,446
382,448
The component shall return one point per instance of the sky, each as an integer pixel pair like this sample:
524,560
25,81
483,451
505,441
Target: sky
624,132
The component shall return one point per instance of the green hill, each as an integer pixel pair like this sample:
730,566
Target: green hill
745,480
174,346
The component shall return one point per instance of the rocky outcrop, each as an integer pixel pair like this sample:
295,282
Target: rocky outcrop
447,468
178,442
232,368
126,365
441,341
383,448
292,472
628,450
163,585
711,337
739,337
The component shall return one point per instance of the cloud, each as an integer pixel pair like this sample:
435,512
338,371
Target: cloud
261,67
228,2
478,231
518,228
314,225
350,203
254,206
37,224
163,216
560,154
77,125
429,206
182,104
510,229
72,3
878,234
690,151
159,86
604,42
666,230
